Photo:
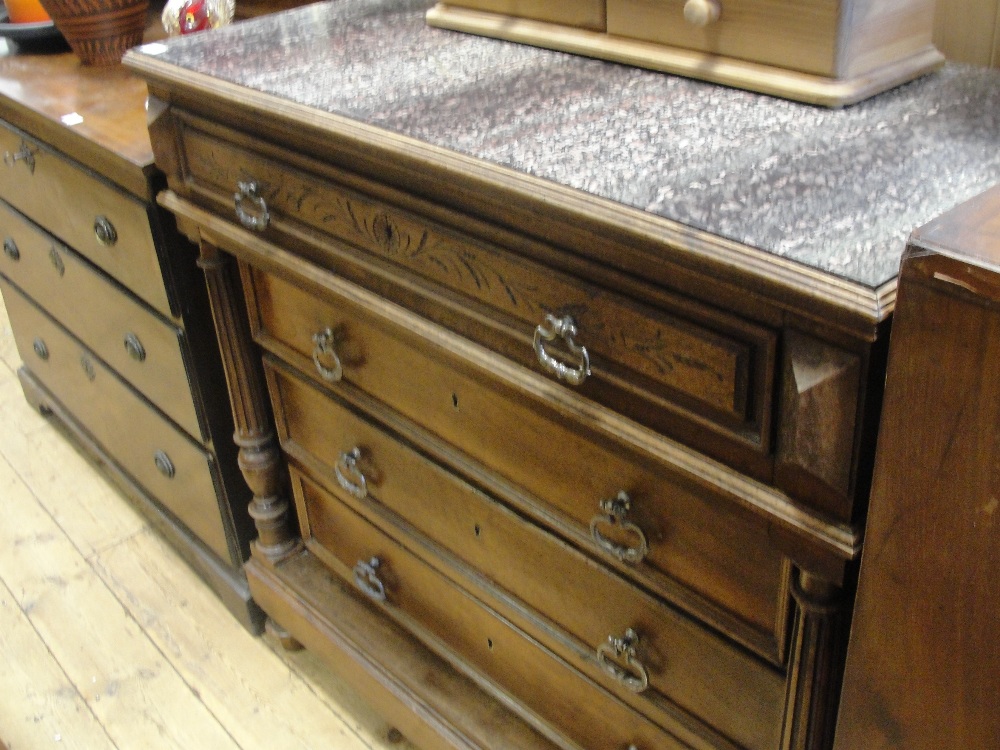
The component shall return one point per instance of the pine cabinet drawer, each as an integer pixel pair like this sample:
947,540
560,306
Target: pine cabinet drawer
144,349
588,14
106,225
701,674
684,369
702,550
454,621
167,463
801,35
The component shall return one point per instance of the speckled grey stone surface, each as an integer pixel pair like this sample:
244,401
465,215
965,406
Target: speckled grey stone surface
838,190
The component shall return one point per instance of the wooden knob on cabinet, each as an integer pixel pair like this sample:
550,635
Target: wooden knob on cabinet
702,12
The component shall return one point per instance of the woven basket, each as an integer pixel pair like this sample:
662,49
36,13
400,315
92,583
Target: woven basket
99,31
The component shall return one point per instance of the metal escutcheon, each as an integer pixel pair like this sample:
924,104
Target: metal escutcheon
10,249
24,153
613,512
635,677
347,465
105,231
366,578
564,328
251,209
324,348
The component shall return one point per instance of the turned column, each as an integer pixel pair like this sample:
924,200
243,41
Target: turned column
259,457
814,668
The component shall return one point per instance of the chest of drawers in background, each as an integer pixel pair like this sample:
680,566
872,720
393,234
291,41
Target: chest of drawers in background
109,311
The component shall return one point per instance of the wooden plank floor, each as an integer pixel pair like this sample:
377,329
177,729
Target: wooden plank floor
108,640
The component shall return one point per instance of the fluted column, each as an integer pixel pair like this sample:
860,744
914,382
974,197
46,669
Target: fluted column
259,456
814,669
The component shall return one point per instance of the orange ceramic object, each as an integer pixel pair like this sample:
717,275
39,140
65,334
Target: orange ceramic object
25,11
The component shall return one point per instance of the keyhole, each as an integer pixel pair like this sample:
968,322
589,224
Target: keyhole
489,643
478,530
454,400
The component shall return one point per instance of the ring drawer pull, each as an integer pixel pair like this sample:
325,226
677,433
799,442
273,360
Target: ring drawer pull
324,346
10,249
635,678
163,464
251,209
105,231
23,153
134,347
549,330
346,465
366,578
613,512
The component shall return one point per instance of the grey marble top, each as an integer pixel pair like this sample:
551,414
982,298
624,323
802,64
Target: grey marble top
838,190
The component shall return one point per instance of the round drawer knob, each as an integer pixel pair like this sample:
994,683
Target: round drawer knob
40,348
10,249
134,347
56,260
88,367
163,464
105,231
702,12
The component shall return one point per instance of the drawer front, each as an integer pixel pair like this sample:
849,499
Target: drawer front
588,14
796,34
142,347
702,549
106,225
680,368
432,606
706,677
167,463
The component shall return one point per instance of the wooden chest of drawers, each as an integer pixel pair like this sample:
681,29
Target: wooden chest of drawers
532,468
109,310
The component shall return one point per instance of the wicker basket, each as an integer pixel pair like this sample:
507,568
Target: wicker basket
99,31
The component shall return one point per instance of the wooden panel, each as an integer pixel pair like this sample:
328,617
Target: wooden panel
585,13
42,178
876,33
800,35
690,531
125,425
968,31
424,601
102,315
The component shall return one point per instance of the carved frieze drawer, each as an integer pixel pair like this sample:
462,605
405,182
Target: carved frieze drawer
681,368
704,550
162,459
147,350
109,227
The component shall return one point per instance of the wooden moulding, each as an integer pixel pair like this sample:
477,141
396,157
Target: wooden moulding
811,88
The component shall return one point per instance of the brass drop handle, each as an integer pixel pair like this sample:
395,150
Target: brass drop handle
613,512
701,13
10,249
562,328
633,676
24,153
134,347
105,231
349,476
251,208
324,348
366,578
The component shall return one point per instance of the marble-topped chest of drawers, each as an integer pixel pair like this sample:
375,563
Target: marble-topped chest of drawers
556,383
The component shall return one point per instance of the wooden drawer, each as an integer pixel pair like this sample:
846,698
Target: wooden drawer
797,34
710,555
457,623
143,348
678,367
588,14
72,203
167,463
585,603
